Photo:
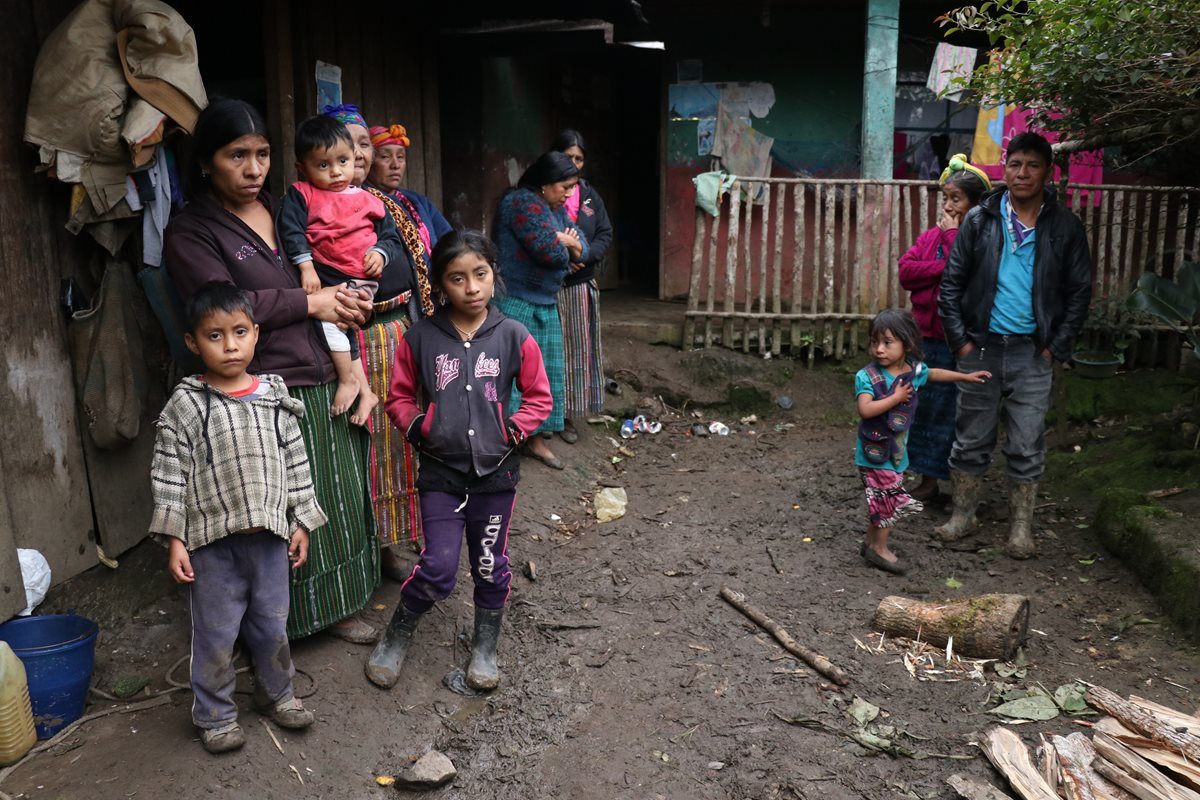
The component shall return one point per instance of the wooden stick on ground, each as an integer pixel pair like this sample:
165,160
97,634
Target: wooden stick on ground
1139,720
814,659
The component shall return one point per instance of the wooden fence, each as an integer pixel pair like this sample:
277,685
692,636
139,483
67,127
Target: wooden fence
807,264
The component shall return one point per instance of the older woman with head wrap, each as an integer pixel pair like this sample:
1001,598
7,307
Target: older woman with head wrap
921,268
403,293
387,174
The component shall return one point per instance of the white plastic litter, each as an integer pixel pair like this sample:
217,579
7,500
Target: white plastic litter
610,504
35,573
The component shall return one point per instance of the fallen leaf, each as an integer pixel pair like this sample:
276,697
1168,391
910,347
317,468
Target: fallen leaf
1070,697
862,712
1038,707
384,780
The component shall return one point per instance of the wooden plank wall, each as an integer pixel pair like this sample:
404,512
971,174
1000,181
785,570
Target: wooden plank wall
809,266
390,71
42,476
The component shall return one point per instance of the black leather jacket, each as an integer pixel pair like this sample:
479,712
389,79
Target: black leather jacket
1062,276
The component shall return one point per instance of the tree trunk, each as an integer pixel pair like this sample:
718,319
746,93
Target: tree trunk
987,626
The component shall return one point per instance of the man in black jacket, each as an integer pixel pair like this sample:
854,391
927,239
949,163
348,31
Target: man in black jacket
1013,299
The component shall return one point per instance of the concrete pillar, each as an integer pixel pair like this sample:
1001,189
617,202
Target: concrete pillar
879,88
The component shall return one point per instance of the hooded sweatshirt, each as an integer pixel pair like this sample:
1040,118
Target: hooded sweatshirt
464,433
223,465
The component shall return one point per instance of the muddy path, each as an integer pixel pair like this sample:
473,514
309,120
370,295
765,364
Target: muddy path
624,674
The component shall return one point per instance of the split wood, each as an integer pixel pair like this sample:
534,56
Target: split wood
1135,774
814,659
1009,756
1139,720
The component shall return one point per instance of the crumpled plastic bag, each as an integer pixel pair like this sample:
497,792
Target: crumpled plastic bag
610,504
35,573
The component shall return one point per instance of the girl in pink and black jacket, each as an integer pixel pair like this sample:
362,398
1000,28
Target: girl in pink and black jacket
452,378
921,271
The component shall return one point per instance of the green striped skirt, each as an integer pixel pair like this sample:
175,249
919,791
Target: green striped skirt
545,326
393,461
583,359
343,557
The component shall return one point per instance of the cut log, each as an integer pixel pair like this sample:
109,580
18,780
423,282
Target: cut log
1184,771
1010,757
1075,756
1177,719
1139,720
986,626
1130,771
1048,758
970,789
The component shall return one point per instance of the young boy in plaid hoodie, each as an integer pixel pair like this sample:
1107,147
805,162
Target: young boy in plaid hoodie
234,500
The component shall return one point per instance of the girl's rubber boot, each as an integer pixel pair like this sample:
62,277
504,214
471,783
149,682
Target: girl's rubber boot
1021,499
383,667
962,520
483,673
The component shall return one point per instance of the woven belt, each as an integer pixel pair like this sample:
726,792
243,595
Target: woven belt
391,304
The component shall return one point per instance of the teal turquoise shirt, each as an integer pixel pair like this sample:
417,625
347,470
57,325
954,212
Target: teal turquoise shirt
862,385
1012,310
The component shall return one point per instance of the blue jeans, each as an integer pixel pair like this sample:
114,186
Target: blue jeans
1018,394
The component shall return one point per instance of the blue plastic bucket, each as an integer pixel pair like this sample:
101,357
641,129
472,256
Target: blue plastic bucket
58,651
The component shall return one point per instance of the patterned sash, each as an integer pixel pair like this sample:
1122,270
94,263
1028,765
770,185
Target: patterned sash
416,247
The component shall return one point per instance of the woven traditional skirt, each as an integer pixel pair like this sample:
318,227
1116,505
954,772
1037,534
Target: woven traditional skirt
932,431
887,501
545,326
343,556
393,461
583,360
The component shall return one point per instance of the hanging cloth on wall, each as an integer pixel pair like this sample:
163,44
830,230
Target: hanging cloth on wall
950,62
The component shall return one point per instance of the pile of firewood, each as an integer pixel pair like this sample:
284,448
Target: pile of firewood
1140,750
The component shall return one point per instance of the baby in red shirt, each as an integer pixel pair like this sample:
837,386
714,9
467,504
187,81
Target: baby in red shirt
335,233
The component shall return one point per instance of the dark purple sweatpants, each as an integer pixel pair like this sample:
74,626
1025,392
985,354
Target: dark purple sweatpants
444,518
241,587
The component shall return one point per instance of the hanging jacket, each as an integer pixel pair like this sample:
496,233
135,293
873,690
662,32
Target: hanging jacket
1062,276
223,465
464,424
921,271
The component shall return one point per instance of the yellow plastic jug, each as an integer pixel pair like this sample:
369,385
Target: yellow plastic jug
16,715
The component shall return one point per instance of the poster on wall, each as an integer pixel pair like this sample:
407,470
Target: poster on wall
329,85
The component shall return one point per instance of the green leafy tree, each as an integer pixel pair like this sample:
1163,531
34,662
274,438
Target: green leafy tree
1098,72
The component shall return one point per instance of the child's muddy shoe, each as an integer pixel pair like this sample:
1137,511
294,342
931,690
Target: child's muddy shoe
223,739
291,714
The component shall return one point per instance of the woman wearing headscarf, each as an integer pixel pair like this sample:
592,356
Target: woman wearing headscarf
403,294
387,174
227,234
537,247
579,299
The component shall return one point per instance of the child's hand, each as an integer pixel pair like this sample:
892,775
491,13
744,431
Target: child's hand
309,279
178,563
904,391
978,377
298,548
373,264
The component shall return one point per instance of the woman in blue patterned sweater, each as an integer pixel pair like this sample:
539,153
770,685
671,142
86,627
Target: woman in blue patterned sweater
537,246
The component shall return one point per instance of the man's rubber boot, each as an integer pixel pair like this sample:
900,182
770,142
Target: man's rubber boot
1021,499
965,494
483,673
383,667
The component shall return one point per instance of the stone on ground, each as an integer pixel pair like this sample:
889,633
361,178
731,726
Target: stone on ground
430,771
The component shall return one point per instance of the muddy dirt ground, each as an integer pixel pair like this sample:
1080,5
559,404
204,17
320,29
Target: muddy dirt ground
624,674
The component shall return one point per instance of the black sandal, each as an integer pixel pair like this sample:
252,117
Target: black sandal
879,562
